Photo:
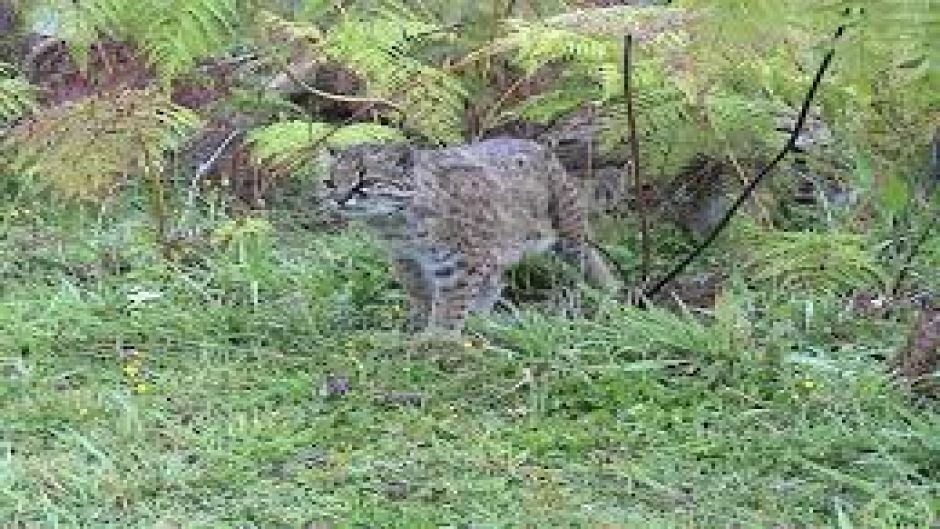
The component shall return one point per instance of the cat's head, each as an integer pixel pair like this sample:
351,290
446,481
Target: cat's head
369,180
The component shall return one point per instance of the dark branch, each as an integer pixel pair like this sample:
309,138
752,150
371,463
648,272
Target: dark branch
752,185
635,156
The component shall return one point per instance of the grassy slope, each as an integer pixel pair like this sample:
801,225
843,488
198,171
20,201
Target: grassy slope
191,397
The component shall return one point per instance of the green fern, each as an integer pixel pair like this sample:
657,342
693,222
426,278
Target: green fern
589,45
80,148
173,34
377,49
588,41
179,34
287,144
364,133
884,75
546,106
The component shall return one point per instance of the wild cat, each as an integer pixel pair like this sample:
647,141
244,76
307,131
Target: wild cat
454,219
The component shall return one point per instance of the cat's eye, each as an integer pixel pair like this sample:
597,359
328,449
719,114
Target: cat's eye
363,183
329,184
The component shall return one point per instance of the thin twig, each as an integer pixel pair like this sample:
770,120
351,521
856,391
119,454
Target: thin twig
762,210
328,95
635,155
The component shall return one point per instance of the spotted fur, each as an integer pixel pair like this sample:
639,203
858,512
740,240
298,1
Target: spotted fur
455,219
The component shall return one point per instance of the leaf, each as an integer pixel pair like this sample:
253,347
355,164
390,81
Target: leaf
288,143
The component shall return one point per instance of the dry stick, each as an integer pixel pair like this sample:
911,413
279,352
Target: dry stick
342,98
752,185
635,155
590,145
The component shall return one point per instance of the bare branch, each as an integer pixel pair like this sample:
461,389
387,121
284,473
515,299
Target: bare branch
752,185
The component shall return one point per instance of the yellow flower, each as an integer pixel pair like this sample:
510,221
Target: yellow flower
131,370
809,384
142,387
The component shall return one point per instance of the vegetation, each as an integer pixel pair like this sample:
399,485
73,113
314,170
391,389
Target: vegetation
187,341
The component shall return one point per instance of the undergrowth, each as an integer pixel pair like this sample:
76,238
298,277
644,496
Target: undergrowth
263,383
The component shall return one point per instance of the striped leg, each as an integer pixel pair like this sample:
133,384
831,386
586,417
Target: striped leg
465,289
419,293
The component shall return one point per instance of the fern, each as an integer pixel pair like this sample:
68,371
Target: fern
589,41
376,49
286,144
588,36
682,108
275,29
379,48
589,44
883,79
181,33
669,136
364,133
173,34
545,107
82,147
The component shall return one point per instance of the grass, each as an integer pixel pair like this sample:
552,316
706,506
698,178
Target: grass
263,384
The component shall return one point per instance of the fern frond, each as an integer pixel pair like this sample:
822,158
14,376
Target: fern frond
587,34
544,107
664,119
173,34
589,39
589,43
780,57
277,29
364,133
432,99
180,34
379,50
287,144
82,147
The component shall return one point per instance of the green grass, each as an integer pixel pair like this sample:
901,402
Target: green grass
167,396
